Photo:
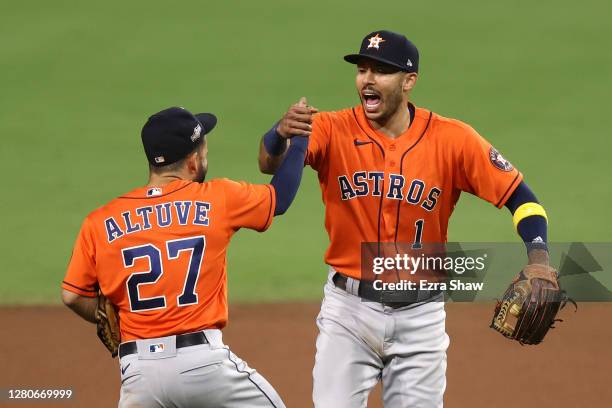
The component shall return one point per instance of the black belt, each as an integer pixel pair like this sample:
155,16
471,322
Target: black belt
394,299
182,340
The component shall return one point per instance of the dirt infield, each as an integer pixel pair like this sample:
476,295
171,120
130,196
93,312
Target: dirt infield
49,347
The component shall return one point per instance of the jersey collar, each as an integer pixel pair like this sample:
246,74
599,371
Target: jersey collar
408,138
156,192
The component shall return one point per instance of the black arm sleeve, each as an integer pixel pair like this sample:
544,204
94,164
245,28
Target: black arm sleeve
532,230
287,178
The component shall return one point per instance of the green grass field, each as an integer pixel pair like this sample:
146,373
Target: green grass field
79,80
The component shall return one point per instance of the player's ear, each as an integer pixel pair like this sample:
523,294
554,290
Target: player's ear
192,162
410,79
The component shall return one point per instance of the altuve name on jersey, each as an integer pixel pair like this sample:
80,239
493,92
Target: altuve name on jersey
160,215
364,183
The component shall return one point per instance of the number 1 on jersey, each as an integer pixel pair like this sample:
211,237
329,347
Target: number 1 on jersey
195,245
418,235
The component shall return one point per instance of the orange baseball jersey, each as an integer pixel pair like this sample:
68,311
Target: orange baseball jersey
378,189
159,254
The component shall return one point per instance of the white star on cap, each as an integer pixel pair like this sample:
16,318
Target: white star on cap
375,41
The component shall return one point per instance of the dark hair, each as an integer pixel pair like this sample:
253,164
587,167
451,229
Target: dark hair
177,165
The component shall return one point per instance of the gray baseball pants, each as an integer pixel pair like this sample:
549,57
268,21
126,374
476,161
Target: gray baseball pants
203,376
362,342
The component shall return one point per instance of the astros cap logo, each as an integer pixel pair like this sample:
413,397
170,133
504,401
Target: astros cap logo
375,41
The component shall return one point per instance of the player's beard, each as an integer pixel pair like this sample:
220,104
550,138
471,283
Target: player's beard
391,104
201,173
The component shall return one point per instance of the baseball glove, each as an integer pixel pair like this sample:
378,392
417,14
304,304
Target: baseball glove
107,322
530,305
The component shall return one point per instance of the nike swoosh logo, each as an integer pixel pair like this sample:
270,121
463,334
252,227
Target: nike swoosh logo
124,369
361,142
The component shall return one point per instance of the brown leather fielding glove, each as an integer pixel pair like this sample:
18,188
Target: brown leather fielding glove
530,304
107,321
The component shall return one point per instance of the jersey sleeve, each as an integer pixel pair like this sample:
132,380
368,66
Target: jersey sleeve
81,277
482,170
318,143
249,205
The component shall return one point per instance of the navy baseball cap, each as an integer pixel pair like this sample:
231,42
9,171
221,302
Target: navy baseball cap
390,48
170,135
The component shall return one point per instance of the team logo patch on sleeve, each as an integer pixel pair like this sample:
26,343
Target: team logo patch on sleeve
498,160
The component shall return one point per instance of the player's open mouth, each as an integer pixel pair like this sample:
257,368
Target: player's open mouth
371,100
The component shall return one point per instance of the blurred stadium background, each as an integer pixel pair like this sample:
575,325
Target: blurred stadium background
78,80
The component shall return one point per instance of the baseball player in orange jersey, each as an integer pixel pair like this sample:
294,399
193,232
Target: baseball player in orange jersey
159,254
392,172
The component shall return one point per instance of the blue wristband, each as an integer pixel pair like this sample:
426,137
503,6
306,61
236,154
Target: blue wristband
274,143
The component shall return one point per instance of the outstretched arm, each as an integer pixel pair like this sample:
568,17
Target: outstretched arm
287,179
273,147
528,308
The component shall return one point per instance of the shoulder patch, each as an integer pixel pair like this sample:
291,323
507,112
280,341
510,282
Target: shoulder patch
498,160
